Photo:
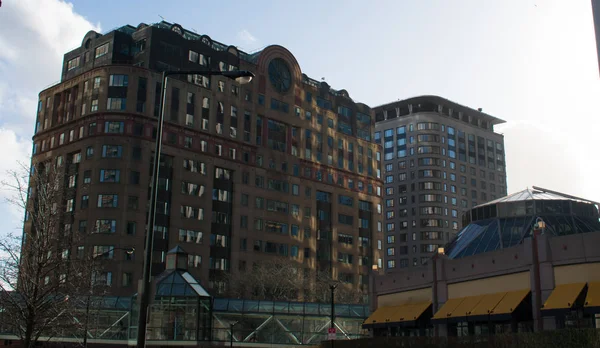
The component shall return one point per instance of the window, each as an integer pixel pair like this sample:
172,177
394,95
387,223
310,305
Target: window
259,202
116,104
82,226
189,212
345,200
127,279
345,219
105,226
194,166
73,63
118,80
345,239
103,278
111,151
221,195
192,189
190,236
70,205
132,202
131,227
107,201
193,56
189,120
114,127
108,175
345,258
101,50
276,206
72,181
223,174
194,261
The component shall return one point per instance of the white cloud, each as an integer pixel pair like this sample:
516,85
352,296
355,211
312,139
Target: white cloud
13,151
247,38
35,36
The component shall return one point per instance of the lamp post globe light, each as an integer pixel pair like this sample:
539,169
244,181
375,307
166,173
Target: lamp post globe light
241,77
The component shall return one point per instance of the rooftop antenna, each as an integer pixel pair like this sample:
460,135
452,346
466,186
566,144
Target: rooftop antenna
161,17
194,30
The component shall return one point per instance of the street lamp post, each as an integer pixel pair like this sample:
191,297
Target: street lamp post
332,287
89,295
231,325
242,77
538,227
434,287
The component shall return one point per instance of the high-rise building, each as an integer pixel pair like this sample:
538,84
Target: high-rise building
283,167
439,160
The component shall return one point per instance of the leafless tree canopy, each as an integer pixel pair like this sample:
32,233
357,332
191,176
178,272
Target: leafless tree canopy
39,279
285,280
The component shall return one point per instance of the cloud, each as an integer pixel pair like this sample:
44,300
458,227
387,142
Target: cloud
13,151
35,36
247,38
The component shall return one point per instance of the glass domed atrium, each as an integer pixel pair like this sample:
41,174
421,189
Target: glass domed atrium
505,222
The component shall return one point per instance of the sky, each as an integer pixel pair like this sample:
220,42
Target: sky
532,63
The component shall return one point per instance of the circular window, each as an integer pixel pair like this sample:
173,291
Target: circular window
177,29
280,75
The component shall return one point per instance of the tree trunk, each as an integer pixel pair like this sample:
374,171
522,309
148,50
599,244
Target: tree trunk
28,341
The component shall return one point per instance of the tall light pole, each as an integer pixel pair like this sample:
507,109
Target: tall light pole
332,289
434,286
538,228
242,77
231,326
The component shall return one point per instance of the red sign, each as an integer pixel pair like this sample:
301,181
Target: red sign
331,333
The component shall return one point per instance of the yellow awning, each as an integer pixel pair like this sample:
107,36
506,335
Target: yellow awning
592,298
448,308
510,302
397,314
487,304
465,307
410,312
563,296
381,315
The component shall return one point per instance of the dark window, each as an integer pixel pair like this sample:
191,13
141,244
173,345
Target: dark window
136,153
134,177
83,226
132,202
85,201
138,129
141,95
131,226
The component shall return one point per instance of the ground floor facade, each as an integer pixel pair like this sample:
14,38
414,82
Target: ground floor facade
517,289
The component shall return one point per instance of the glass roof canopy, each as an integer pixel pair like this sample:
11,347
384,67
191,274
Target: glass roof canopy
292,308
505,222
180,284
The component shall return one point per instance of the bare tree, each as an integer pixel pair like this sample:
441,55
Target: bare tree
37,274
344,292
87,292
277,279
283,279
